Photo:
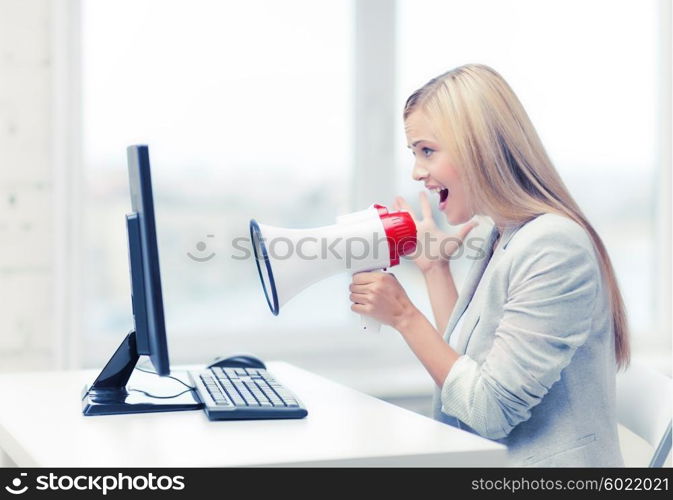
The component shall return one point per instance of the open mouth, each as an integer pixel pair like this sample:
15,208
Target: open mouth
442,191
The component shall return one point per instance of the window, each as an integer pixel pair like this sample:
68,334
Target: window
246,108
586,72
248,111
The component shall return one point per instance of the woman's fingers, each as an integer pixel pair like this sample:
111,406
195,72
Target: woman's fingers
365,277
361,308
358,288
426,209
402,204
359,298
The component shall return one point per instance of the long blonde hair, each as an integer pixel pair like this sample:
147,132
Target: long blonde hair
475,113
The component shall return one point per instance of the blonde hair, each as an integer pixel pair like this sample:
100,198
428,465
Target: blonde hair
477,116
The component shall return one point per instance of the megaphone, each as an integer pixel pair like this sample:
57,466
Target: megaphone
290,260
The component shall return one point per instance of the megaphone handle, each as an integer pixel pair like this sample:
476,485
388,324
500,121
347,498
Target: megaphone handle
369,324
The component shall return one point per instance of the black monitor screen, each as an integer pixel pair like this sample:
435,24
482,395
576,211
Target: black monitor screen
148,309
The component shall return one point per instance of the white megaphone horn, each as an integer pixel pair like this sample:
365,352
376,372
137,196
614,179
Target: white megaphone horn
290,260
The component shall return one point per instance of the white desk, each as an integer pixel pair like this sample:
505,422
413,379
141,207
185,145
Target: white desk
41,425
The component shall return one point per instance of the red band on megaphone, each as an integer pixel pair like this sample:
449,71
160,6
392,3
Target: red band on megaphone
400,232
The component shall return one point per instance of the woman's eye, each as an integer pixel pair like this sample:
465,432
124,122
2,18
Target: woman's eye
427,152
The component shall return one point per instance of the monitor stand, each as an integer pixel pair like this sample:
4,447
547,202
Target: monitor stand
109,394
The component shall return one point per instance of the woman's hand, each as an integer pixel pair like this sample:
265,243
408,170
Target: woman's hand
380,295
435,247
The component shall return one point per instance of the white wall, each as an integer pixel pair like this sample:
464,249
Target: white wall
26,186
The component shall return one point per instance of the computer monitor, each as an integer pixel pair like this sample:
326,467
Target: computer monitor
147,300
109,393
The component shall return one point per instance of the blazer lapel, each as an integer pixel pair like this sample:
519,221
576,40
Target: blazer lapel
471,282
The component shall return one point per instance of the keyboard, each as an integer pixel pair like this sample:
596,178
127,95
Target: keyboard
244,393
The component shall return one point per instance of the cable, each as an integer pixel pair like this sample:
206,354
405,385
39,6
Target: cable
189,387
169,376
161,397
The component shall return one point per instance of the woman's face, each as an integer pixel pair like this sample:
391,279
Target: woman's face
433,167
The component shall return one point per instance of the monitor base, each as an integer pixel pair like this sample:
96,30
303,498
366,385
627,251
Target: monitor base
105,402
110,395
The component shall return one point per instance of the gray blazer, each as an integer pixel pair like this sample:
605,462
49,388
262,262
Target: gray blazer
537,366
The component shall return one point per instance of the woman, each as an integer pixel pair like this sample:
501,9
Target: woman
530,348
